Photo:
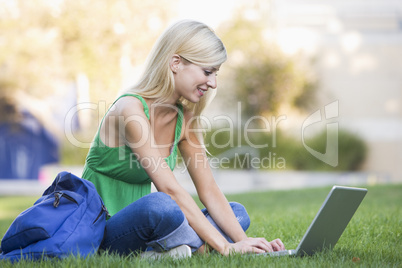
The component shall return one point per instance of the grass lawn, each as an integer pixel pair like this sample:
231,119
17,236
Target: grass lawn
372,239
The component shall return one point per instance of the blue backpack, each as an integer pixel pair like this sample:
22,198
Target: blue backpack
69,219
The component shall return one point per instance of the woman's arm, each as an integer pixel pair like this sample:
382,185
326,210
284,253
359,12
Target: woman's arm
135,130
208,191
138,134
214,200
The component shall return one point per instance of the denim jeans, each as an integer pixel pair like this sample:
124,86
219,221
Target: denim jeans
156,221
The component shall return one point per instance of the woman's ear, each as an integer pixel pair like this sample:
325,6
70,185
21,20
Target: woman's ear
175,63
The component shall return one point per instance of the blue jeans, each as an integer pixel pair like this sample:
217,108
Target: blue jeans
156,221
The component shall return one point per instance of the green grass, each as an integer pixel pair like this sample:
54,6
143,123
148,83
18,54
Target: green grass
372,239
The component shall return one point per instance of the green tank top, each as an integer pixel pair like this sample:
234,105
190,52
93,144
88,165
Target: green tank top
116,173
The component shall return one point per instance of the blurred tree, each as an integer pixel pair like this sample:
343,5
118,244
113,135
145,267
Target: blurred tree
48,46
259,74
46,43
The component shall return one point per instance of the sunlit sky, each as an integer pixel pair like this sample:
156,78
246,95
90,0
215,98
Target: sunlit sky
211,12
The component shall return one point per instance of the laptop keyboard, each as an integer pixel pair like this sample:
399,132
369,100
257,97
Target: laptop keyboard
280,253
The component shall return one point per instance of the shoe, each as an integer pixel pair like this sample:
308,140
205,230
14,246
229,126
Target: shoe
176,253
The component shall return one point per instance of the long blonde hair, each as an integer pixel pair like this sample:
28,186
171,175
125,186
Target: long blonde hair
192,40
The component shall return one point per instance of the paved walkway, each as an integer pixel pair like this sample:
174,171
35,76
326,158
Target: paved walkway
230,181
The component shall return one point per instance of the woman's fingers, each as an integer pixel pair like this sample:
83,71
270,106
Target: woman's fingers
278,242
260,244
277,245
257,245
263,244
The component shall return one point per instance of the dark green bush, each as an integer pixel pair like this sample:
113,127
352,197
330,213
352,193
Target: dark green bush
71,154
228,149
265,151
352,152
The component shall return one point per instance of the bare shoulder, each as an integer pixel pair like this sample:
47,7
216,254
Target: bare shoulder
129,106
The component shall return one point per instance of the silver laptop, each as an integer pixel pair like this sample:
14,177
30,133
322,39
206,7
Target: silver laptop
329,223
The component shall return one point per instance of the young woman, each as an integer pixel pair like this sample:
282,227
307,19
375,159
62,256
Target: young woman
137,144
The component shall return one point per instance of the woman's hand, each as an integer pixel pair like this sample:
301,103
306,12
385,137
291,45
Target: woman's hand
254,245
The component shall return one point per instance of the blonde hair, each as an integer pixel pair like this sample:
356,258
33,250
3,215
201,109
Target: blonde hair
192,40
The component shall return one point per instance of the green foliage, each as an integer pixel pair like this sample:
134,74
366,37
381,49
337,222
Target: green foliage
352,152
46,44
281,151
259,74
372,238
72,155
267,81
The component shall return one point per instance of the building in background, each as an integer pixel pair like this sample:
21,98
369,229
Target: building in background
357,49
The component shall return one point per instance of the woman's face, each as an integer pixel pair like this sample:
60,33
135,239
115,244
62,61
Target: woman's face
193,81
